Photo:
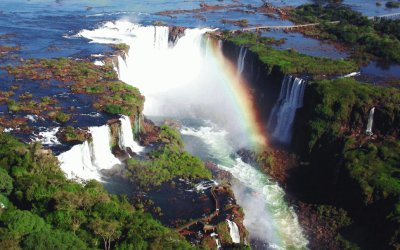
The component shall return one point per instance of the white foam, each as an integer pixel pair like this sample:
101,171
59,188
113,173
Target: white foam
98,63
76,163
234,231
48,137
267,216
102,156
126,136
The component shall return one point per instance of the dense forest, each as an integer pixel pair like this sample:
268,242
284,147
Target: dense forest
41,209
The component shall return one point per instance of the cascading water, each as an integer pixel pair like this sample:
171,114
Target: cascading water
290,99
102,157
233,231
240,60
189,82
84,161
267,216
76,163
126,141
368,131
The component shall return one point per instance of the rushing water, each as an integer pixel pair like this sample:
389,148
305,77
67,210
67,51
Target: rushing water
240,60
77,163
126,141
368,131
283,113
234,231
187,81
84,161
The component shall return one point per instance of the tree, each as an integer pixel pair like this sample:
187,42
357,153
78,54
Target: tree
6,182
108,230
54,239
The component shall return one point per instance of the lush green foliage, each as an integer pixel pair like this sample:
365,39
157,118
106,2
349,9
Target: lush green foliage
121,46
167,162
392,4
113,96
290,61
376,167
365,170
47,211
69,133
379,37
345,103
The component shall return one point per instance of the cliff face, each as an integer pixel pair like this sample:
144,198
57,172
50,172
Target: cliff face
347,167
355,174
264,83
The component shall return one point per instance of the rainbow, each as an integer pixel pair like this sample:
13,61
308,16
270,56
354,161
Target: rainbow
241,98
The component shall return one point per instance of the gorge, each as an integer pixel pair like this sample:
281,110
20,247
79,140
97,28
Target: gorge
193,83
169,125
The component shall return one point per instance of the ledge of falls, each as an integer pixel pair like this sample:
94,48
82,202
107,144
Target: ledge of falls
85,161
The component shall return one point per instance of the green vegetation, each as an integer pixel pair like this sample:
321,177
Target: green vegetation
392,4
345,103
41,209
69,134
167,162
240,22
375,166
121,46
113,96
32,106
289,61
363,170
62,117
366,37
223,233
335,217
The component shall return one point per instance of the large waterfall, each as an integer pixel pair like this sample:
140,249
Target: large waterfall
187,82
368,131
233,231
290,99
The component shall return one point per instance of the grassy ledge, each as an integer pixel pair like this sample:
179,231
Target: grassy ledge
288,61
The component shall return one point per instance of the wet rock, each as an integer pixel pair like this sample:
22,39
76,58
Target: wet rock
175,32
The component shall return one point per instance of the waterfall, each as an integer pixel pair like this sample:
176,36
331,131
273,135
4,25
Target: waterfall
368,131
77,163
290,99
240,60
217,243
102,157
185,83
83,161
234,231
126,141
